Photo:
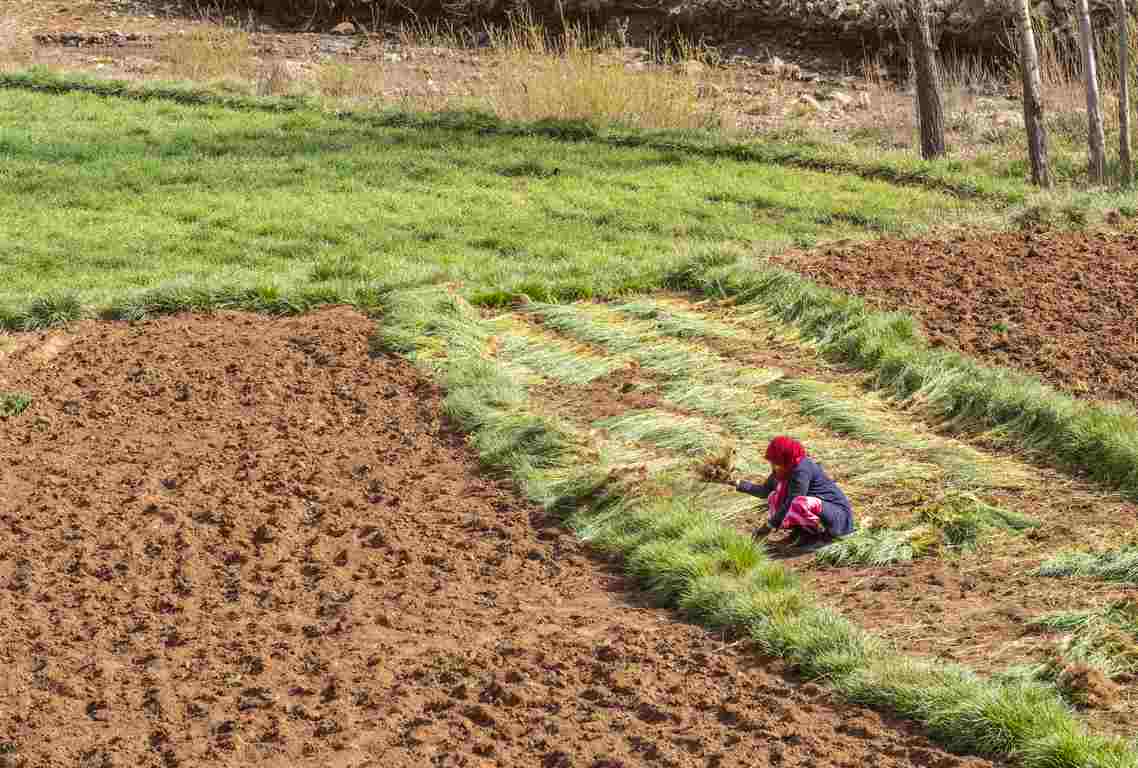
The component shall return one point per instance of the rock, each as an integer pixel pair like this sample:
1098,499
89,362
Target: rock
344,28
1088,686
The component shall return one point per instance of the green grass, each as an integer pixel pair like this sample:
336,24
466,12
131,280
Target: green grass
687,555
1115,565
791,149
13,404
118,203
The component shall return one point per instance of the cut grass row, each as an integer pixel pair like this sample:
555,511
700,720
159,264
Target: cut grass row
1119,565
689,559
755,403
696,380
1096,440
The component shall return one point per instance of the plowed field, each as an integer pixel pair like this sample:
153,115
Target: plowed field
234,540
1061,306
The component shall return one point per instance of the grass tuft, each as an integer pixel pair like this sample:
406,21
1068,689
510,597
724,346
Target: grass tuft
49,311
13,404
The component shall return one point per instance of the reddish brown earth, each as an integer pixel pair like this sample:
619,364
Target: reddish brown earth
235,540
1063,306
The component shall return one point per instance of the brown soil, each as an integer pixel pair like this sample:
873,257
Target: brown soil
1088,686
1061,305
235,540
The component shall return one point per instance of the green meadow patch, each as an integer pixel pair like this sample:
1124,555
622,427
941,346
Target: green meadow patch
13,404
109,202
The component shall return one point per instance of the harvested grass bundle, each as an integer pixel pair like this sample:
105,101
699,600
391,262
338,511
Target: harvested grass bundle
719,467
880,546
953,521
1116,565
962,519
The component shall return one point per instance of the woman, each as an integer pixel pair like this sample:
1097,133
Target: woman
801,497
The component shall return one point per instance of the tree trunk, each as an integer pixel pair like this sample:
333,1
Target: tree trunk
1124,94
1032,96
1096,167
928,81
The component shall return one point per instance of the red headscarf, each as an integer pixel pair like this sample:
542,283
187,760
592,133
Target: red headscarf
785,451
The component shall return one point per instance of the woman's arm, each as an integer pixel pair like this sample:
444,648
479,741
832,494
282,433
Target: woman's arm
762,490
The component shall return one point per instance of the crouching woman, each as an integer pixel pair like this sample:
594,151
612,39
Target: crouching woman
801,497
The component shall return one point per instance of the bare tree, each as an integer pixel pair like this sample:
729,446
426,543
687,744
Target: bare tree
1032,96
1124,94
930,109
1096,167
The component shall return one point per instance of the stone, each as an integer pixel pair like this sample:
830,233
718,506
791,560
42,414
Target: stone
344,28
709,91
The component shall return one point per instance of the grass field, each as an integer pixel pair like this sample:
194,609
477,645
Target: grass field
102,198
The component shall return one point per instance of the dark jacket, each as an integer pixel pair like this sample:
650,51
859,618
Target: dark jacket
807,479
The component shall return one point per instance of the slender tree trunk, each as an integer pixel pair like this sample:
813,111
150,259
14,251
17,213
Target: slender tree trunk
1124,94
928,81
1096,167
913,79
1032,96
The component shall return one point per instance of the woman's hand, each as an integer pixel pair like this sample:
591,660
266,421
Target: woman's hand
763,531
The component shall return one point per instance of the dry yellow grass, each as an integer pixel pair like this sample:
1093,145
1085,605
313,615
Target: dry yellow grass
578,74
211,54
350,81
